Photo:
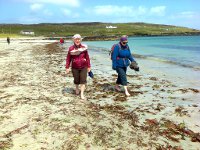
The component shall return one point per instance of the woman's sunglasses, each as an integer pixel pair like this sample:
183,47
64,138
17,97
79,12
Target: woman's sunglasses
124,42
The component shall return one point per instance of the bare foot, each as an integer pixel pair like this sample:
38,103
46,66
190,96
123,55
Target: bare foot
127,93
117,88
77,91
83,97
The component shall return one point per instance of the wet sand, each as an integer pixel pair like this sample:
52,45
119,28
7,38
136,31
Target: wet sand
39,108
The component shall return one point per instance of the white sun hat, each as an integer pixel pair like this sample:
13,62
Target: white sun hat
77,36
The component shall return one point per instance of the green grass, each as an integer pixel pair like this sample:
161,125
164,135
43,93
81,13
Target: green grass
4,35
96,29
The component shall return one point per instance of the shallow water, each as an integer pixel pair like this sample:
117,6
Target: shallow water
180,50
176,57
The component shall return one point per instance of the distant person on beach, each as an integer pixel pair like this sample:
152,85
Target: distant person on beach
61,40
121,58
8,40
80,64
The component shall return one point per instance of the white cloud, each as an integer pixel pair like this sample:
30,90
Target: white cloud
28,20
76,15
72,3
47,12
66,12
142,10
130,11
113,10
186,15
126,13
36,7
158,10
120,11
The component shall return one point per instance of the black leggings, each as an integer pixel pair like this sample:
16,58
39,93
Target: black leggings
121,79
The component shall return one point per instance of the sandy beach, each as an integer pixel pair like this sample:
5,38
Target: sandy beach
40,111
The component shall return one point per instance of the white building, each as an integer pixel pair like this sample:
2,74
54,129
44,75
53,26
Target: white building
27,32
111,27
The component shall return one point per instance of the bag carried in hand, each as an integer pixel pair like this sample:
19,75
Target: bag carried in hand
134,66
91,74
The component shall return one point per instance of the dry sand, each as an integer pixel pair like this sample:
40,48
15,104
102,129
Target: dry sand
39,110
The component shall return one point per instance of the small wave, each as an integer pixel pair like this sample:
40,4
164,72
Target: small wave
151,57
179,47
139,56
99,49
195,67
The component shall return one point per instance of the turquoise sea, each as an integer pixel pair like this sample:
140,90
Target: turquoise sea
179,50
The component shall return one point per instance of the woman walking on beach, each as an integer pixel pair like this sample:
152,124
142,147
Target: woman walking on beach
78,55
121,57
62,41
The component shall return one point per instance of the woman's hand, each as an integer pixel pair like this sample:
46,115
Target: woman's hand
88,69
67,70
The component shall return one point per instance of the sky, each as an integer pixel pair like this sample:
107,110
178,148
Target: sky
185,13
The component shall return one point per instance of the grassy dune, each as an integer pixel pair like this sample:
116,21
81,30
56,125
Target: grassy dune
96,29
4,35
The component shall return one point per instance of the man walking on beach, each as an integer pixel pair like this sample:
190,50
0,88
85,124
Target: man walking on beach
8,40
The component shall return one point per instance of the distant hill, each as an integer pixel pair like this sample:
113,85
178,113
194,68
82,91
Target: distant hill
97,30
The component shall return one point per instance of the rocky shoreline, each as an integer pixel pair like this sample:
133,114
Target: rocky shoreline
116,37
